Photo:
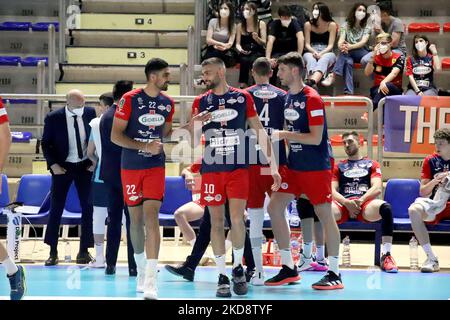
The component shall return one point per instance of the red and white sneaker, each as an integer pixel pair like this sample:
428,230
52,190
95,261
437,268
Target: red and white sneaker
388,263
320,265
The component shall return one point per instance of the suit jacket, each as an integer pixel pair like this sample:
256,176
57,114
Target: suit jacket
111,153
55,139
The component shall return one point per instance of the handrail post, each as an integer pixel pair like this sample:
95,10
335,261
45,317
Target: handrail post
51,58
380,129
62,31
40,90
191,60
199,23
370,129
183,92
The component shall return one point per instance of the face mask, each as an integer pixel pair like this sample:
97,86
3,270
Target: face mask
285,23
247,14
359,15
78,111
384,49
315,14
224,13
421,46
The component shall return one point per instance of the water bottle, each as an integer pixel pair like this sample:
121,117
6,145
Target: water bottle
67,253
413,254
346,261
295,249
276,254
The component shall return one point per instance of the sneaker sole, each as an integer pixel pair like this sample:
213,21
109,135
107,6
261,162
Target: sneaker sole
391,271
173,272
335,287
150,297
244,290
223,295
24,275
282,282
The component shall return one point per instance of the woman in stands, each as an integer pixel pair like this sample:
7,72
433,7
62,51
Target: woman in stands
221,35
320,35
420,67
251,39
352,45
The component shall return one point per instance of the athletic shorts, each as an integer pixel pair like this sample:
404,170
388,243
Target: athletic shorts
306,209
217,187
196,199
345,216
141,185
444,215
261,182
99,194
316,185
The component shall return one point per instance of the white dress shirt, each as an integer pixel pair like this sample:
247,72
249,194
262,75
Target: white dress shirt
73,151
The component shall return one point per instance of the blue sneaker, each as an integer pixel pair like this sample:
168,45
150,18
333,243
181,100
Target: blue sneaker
18,284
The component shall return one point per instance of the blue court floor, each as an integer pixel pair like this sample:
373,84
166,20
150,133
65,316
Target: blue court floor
73,282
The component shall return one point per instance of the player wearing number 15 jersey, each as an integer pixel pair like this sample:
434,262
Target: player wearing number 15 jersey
142,119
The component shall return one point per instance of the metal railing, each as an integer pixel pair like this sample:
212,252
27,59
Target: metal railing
380,109
52,58
62,31
200,14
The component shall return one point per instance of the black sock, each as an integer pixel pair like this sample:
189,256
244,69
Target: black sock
53,251
387,223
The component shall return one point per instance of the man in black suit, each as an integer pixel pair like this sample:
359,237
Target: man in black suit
64,143
110,174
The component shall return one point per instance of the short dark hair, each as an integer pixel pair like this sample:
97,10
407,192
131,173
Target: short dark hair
213,61
107,99
293,59
442,134
262,66
385,6
121,87
284,11
350,133
155,65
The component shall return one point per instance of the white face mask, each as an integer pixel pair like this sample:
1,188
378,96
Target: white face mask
421,46
78,111
224,13
247,14
315,14
359,15
285,23
384,49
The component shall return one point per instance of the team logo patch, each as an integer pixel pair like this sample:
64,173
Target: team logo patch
151,120
422,70
208,198
223,115
284,186
241,99
133,198
168,108
231,101
140,101
296,104
121,103
161,107
302,105
356,173
218,197
291,114
265,94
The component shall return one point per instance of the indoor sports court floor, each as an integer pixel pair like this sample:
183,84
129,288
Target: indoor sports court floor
73,282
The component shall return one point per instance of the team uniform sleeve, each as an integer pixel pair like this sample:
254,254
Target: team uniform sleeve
123,110
316,111
196,106
172,111
336,173
3,114
426,170
376,170
400,63
250,103
409,68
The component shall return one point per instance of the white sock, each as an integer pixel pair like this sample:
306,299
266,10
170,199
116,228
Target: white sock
307,249
99,250
228,245
429,251
320,253
151,267
334,264
192,242
220,262
140,260
257,256
10,266
238,254
387,247
286,258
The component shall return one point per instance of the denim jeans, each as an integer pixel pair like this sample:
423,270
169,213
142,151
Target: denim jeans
344,67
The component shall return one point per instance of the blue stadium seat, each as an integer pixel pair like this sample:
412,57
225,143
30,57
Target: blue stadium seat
15,26
23,137
72,210
22,101
43,26
9,60
4,198
33,61
175,195
401,193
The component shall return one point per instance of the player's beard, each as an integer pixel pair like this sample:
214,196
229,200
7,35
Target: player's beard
210,85
164,87
351,151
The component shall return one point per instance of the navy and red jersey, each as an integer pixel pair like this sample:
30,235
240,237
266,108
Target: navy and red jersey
146,118
269,103
383,67
422,68
354,176
3,114
226,143
432,165
301,111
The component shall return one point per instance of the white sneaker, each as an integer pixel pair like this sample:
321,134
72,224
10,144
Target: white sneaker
305,264
150,288
257,279
140,281
328,81
430,265
98,262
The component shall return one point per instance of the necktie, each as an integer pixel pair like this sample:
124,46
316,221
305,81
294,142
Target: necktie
77,135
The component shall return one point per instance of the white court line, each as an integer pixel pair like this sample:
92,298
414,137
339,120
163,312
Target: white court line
59,298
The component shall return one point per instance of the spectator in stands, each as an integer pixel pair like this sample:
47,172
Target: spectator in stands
420,67
221,35
251,39
392,25
285,35
110,174
387,66
434,184
99,194
320,35
264,10
352,45
14,273
64,144
356,185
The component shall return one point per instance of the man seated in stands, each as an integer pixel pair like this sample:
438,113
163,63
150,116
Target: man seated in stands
356,185
434,184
